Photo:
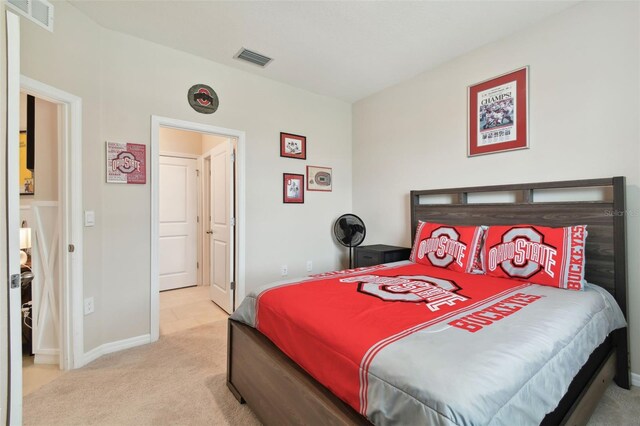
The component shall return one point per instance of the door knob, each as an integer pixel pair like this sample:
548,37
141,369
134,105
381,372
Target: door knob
209,232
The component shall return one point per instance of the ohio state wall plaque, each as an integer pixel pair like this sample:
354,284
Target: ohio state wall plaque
126,163
203,99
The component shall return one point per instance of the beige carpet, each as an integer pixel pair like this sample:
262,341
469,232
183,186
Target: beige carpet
618,407
180,380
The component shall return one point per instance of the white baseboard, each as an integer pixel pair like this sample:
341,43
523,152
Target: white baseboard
110,347
635,379
47,358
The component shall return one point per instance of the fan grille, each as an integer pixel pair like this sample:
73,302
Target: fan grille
349,230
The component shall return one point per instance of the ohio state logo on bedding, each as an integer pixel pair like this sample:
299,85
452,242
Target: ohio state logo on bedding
522,254
445,246
434,292
538,254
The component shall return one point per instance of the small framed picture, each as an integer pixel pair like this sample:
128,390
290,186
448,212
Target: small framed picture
293,146
498,114
319,178
292,188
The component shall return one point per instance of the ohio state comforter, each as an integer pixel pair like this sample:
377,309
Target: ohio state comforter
412,344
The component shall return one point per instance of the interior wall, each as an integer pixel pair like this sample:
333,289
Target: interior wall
210,141
584,108
76,69
46,170
122,82
180,141
187,142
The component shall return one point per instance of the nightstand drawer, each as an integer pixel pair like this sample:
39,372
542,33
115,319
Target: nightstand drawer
367,258
379,253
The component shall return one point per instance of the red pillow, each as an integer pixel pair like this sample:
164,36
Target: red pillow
447,246
548,256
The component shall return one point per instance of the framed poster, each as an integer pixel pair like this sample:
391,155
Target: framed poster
292,188
27,184
319,178
498,114
126,163
293,146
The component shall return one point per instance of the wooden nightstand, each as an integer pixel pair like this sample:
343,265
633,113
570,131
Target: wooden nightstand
379,253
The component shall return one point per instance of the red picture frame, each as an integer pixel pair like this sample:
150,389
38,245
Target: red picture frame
498,114
292,188
293,146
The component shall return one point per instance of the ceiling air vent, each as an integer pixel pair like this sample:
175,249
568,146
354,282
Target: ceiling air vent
38,11
253,57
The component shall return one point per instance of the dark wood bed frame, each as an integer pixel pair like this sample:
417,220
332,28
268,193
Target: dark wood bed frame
280,392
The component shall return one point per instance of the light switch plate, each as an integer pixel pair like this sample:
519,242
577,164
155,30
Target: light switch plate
89,218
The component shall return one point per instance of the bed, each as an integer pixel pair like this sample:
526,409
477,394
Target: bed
281,392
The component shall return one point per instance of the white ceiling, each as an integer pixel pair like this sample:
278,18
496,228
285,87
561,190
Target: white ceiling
343,49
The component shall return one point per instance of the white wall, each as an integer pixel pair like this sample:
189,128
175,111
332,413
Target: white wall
187,142
46,156
180,141
584,109
76,69
210,141
122,82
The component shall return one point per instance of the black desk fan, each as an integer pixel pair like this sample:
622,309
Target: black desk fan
350,231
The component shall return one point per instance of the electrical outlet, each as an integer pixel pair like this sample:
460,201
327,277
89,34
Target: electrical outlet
284,270
309,266
88,306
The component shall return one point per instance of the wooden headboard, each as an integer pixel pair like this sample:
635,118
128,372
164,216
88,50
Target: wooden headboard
605,220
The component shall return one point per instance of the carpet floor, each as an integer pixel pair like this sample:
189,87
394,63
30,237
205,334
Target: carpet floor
180,380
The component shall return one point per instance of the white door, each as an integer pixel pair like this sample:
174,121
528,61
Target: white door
221,229
14,361
178,222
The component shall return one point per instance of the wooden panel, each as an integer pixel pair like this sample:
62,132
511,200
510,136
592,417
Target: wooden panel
582,411
276,388
524,186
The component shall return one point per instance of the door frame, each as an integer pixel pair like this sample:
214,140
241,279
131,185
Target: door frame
70,218
13,329
205,195
154,153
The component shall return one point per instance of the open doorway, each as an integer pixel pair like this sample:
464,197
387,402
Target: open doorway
39,241
196,215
